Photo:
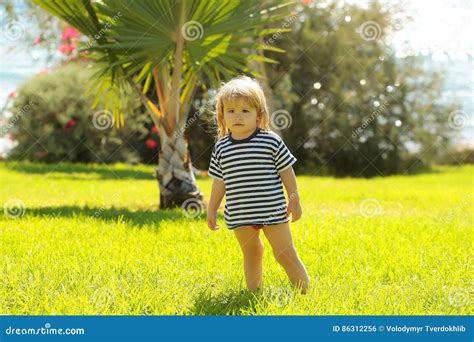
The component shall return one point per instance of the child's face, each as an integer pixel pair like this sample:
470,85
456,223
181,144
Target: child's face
240,116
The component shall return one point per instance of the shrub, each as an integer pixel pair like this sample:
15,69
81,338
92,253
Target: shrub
53,121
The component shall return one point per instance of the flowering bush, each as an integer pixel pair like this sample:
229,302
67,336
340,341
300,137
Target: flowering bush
68,40
52,120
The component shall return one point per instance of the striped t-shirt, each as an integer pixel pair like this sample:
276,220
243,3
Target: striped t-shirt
250,169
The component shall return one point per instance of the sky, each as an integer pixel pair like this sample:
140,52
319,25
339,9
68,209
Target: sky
442,27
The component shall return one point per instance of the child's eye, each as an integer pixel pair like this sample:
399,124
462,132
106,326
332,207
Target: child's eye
246,111
230,110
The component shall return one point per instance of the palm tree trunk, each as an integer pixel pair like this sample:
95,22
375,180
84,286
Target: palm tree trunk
175,175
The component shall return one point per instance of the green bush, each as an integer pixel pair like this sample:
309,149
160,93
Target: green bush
53,121
463,154
346,104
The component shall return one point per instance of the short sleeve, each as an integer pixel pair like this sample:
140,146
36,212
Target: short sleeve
283,157
215,170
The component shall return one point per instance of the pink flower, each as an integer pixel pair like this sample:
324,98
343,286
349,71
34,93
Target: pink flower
12,94
37,40
69,33
67,48
151,143
71,123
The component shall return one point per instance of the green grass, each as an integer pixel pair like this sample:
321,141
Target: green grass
91,240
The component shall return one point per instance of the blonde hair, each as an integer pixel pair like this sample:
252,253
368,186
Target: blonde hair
241,87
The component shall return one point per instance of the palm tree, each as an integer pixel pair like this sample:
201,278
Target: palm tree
165,49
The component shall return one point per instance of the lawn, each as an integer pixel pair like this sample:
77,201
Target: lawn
78,239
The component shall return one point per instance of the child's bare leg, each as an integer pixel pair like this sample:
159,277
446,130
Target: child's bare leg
279,236
252,248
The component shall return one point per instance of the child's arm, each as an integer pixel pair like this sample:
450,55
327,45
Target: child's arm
294,207
217,194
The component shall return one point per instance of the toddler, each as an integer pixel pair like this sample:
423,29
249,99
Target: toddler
249,163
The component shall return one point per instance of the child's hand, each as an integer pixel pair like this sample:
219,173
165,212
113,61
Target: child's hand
294,208
212,220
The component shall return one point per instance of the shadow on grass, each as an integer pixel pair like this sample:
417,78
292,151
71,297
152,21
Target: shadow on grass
137,217
71,170
235,302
